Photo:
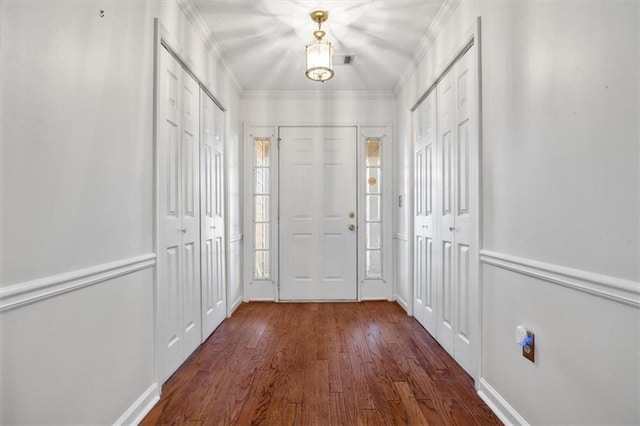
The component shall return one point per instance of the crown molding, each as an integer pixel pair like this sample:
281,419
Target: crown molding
192,14
429,38
313,94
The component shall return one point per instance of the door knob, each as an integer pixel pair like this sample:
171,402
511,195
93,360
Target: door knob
352,227
452,228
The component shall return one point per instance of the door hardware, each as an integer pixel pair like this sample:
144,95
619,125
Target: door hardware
352,215
184,230
352,227
452,228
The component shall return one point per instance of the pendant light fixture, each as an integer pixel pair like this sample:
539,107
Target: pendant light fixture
319,52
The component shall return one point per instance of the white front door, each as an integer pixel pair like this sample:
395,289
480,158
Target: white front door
178,150
318,214
425,208
214,305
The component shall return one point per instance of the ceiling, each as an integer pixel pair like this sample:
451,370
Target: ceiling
263,40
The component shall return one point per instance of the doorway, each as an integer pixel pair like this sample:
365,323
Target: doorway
318,230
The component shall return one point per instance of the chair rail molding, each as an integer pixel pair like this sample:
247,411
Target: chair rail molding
18,295
612,288
400,237
236,238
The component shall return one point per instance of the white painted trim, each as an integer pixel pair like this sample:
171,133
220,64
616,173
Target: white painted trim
234,306
193,16
43,288
400,237
400,301
236,238
260,291
141,407
612,288
500,407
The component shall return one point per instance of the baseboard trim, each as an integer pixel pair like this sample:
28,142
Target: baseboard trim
402,303
501,408
234,306
616,289
33,291
140,407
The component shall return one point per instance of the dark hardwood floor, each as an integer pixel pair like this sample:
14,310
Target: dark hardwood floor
320,363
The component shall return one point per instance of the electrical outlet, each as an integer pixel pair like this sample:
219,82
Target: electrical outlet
529,350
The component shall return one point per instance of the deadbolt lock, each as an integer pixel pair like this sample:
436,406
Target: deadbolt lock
352,227
352,215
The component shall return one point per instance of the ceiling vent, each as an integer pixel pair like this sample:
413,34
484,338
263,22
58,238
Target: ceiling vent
343,60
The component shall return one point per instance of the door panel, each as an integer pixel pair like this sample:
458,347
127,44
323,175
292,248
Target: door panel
178,216
170,267
465,212
317,192
190,177
425,213
214,305
446,164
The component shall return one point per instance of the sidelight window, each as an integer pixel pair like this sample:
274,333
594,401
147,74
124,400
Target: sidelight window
261,209
373,209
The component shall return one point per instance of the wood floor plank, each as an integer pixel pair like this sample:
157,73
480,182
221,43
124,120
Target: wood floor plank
364,363
414,414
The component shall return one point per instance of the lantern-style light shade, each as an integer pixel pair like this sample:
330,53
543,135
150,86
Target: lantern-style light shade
319,60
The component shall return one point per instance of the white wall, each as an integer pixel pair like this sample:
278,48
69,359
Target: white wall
403,190
77,204
264,111
318,108
561,203
235,235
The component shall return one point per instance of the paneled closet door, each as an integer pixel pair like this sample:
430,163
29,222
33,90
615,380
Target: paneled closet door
457,151
425,209
465,210
446,164
179,215
214,305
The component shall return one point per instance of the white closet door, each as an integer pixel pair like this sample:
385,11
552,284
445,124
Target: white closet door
214,306
317,194
179,217
191,321
457,166
446,172
425,210
465,208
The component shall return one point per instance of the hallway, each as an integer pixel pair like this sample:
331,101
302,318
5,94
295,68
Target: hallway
320,363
